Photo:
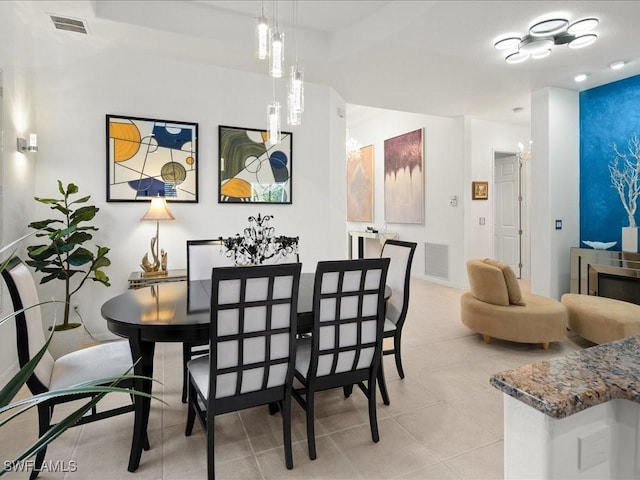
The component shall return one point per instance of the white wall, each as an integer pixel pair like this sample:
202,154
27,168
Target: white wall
73,99
555,171
443,170
486,138
16,169
457,151
336,196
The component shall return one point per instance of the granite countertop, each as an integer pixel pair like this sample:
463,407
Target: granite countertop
566,385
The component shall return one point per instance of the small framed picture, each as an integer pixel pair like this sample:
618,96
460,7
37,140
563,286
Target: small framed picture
480,190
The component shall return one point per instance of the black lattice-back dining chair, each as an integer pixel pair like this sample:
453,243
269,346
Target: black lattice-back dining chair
252,341
398,279
202,256
345,347
107,360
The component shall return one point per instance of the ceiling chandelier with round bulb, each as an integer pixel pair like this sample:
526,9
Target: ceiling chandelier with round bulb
544,35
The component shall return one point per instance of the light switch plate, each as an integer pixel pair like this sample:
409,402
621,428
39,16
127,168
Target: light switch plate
594,448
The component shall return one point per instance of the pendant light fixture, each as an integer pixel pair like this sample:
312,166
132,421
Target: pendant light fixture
262,36
273,120
276,47
295,97
295,90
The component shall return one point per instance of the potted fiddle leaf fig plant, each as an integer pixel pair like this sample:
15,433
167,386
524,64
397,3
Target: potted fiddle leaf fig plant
63,256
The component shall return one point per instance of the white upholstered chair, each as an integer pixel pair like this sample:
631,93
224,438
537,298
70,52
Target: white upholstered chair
202,257
252,346
107,360
400,255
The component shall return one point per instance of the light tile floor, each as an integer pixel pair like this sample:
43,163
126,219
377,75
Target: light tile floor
445,421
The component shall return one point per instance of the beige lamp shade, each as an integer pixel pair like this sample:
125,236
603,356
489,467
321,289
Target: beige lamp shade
158,210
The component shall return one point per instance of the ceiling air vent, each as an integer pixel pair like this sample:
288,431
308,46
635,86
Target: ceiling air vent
69,24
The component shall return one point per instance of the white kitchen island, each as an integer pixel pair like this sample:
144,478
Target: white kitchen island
574,417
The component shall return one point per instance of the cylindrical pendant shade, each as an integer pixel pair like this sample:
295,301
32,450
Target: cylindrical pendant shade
262,38
277,53
273,122
295,97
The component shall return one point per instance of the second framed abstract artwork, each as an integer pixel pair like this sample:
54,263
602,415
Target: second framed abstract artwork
360,181
148,157
250,169
404,178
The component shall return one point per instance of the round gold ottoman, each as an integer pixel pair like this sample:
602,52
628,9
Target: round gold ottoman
601,319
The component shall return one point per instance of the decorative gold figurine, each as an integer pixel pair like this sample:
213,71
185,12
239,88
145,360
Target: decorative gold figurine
157,211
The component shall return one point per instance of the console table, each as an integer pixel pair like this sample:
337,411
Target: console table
381,236
136,280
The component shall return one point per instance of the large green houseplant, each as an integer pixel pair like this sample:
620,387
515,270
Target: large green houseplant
63,257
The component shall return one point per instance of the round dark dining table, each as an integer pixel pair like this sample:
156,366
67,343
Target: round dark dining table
173,312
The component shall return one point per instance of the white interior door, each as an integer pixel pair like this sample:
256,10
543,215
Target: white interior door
507,238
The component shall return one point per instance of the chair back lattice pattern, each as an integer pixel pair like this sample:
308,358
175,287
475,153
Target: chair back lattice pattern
400,255
202,256
348,315
253,328
29,333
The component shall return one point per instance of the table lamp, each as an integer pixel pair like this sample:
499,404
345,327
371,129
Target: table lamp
157,211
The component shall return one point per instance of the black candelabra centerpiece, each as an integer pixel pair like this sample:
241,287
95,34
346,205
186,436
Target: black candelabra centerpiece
258,243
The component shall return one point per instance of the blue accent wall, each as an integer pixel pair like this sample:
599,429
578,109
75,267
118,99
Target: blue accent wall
609,114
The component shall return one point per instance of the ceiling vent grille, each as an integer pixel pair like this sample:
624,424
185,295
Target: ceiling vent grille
69,24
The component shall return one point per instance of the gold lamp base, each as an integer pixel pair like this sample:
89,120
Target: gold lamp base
158,268
159,273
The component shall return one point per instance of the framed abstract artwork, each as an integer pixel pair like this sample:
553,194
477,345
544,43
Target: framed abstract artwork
250,169
404,178
360,178
479,190
148,157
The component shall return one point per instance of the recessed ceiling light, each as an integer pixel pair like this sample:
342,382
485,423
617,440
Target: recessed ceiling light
517,57
507,42
583,40
542,54
548,27
583,25
581,77
617,64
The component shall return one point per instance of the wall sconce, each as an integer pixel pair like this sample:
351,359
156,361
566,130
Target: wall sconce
31,146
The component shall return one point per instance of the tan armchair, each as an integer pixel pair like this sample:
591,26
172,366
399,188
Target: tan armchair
496,307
